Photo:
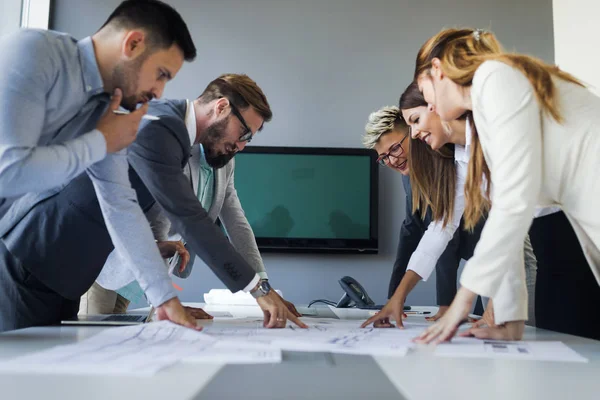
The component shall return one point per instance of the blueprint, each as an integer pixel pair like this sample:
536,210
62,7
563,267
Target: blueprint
323,334
140,350
497,349
143,350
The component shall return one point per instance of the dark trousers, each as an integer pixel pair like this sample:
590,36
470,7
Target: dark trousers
460,247
567,292
25,301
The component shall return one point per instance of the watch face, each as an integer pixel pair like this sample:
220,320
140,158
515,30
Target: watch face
265,287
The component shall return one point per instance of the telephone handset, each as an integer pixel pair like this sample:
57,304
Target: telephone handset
354,293
356,296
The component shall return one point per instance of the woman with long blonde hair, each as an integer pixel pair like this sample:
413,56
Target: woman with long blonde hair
535,141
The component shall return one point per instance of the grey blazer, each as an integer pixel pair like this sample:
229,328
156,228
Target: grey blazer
227,207
159,157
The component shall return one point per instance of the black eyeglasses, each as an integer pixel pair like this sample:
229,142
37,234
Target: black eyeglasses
247,135
395,150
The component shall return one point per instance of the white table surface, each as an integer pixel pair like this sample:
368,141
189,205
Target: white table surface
419,375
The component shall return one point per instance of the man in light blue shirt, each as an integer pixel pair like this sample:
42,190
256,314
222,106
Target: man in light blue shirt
57,121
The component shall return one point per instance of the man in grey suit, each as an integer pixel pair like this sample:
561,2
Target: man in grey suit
184,161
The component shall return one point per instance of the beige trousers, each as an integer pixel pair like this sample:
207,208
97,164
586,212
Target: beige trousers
98,300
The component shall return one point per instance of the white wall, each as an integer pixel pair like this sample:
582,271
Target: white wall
576,39
26,13
10,16
36,14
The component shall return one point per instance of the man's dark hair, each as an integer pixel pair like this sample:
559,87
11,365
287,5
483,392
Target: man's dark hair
162,23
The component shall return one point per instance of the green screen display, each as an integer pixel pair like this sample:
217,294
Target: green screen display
305,196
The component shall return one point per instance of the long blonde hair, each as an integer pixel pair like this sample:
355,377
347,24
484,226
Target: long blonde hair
461,52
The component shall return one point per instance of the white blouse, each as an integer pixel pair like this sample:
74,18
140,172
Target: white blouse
436,238
533,160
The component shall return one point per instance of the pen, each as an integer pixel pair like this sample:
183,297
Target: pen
145,116
406,312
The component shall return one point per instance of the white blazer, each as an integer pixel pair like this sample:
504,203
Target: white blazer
533,160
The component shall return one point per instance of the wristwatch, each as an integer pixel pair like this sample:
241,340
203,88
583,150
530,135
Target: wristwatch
261,289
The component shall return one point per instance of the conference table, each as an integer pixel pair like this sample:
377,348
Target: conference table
419,375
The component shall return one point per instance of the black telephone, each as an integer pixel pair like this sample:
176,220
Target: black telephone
355,293
354,296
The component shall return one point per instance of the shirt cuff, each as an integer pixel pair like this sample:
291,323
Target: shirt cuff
263,275
423,264
97,145
510,300
543,211
252,283
509,295
160,292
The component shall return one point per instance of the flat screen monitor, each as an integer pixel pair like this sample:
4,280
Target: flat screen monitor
306,199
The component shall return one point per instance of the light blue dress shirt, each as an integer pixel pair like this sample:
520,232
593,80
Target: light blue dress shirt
206,182
51,98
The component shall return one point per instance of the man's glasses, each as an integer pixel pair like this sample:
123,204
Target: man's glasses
395,150
247,135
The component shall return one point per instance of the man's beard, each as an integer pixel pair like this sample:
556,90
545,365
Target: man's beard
213,135
125,77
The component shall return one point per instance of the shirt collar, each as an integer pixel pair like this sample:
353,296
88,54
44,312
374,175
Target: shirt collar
463,153
203,162
190,121
468,135
190,124
89,66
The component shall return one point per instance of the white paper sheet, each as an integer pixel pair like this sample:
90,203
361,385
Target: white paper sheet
143,350
323,334
233,352
524,350
220,314
140,350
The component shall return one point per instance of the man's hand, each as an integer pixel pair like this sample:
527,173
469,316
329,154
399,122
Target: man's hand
441,311
197,313
119,130
276,312
290,306
173,311
394,308
169,248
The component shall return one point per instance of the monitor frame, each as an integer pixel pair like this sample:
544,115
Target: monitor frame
327,245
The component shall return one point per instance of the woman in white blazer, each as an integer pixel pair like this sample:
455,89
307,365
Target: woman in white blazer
536,138
552,236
